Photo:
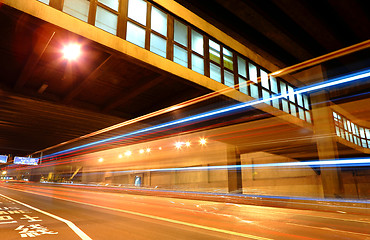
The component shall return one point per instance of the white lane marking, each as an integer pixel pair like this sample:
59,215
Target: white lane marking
156,217
70,224
329,229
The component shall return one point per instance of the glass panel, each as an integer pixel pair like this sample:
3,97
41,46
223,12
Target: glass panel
215,72
45,1
305,101
308,116
243,86
135,34
158,45
283,89
368,143
228,59
367,133
77,8
301,113
197,42
159,21
356,130
197,64
106,20
252,72
113,4
363,143
229,79
273,83
254,90
137,11
214,51
275,103
242,67
180,56
337,131
266,95
300,100
293,110
291,93
264,79
285,105
181,33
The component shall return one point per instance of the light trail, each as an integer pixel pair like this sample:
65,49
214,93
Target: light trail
352,162
226,110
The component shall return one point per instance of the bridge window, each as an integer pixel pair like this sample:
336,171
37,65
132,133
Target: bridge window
264,79
158,45
135,34
137,11
159,21
158,36
197,63
113,4
197,42
252,72
214,51
254,90
229,78
243,86
77,8
180,56
180,33
215,72
242,70
228,59
106,20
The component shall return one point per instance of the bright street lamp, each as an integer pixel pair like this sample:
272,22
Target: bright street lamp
71,51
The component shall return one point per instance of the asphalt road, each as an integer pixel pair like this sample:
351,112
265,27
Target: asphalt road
57,212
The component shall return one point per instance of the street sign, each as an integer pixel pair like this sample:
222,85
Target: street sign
3,158
26,160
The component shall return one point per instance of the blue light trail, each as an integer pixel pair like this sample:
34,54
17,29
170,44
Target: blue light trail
226,110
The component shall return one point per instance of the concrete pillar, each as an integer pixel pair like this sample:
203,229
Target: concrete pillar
234,175
322,116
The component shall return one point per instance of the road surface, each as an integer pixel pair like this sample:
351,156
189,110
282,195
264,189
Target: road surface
44,211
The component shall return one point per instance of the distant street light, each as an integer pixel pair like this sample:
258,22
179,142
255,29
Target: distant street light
72,51
4,172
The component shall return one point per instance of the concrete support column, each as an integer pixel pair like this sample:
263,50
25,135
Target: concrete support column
325,138
234,175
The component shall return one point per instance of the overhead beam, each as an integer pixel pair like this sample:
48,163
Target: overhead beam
250,16
304,18
100,70
133,92
41,45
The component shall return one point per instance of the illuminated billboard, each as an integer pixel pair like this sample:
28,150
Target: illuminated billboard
3,158
26,160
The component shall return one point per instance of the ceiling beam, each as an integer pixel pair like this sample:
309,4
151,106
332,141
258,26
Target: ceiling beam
133,92
38,50
310,23
252,17
100,70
